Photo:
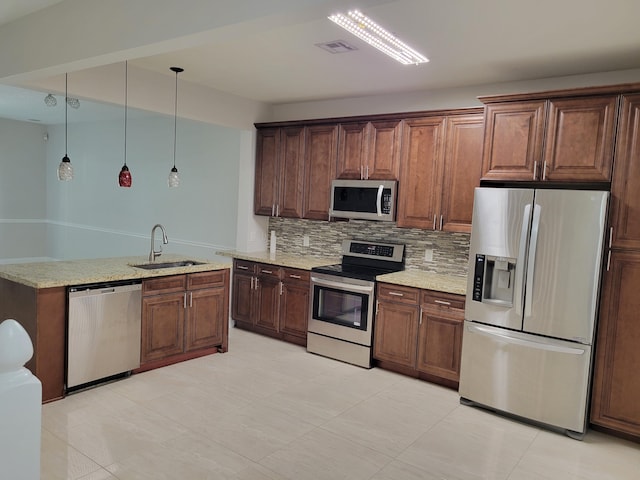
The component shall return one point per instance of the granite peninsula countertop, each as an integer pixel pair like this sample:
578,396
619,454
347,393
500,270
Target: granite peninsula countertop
97,270
302,262
410,278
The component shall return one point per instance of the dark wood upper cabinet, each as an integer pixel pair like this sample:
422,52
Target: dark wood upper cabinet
352,150
557,139
267,169
625,188
319,170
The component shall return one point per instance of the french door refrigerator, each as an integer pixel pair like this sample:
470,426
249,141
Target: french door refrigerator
532,296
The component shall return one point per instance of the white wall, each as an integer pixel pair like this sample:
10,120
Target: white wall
92,216
22,191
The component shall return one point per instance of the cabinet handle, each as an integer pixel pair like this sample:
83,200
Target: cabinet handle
273,209
291,275
257,282
277,209
544,170
366,176
377,308
251,283
608,260
434,221
420,316
266,271
361,172
242,267
396,294
442,302
610,236
190,299
535,169
441,218
280,288
184,300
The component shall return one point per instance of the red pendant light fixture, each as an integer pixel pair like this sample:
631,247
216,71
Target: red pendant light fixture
124,178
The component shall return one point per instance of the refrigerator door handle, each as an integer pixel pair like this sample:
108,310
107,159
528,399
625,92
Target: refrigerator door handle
524,233
535,225
531,343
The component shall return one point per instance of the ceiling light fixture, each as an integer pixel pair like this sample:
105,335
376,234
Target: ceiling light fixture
124,178
50,101
65,170
366,29
174,179
73,103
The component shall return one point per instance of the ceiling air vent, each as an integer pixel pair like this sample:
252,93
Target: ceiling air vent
336,46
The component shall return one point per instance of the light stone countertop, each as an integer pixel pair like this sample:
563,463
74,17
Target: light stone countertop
81,272
302,262
427,280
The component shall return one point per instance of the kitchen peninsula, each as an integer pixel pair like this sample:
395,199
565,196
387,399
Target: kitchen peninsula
35,294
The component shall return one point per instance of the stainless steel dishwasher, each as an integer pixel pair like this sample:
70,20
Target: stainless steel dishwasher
103,332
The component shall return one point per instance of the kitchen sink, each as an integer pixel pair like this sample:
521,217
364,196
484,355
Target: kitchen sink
156,266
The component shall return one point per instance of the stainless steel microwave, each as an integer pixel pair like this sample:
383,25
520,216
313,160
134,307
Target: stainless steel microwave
364,199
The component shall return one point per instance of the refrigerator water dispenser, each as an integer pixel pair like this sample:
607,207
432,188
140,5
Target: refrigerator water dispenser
493,280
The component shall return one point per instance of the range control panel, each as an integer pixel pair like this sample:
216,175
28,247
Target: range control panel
381,251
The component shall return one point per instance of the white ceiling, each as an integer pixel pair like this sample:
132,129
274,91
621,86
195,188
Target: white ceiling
469,42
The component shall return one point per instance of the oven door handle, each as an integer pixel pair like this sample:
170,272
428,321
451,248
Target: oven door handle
341,286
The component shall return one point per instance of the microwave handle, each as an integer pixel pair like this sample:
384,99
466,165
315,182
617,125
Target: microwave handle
379,200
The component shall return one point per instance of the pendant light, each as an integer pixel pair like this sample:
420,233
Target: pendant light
124,178
174,179
65,170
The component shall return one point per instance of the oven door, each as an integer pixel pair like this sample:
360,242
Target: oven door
341,308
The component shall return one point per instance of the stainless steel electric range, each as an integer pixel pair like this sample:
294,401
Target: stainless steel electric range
342,306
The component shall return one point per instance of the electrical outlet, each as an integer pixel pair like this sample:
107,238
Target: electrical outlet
428,255
305,240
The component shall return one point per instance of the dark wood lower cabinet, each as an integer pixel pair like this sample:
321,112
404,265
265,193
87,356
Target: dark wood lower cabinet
184,316
615,401
271,300
419,333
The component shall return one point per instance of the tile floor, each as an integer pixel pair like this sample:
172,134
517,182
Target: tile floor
269,410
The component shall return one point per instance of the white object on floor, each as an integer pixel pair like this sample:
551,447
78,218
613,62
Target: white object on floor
20,405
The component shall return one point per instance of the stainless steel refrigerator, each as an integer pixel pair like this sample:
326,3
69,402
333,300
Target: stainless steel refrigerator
532,296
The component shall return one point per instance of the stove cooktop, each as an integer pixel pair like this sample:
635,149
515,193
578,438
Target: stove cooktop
354,271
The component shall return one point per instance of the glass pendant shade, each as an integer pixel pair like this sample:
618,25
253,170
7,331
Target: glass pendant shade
124,179
50,101
174,179
65,170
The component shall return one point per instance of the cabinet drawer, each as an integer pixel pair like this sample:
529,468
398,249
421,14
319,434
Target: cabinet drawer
267,270
244,266
206,279
173,283
396,293
295,275
441,299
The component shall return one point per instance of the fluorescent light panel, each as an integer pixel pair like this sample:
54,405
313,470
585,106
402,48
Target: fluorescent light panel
366,29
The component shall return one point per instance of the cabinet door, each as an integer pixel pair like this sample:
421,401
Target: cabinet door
616,387
462,171
579,143
267,303
383,152
267,170
294,308
320,166
513,138
242,297
291,172
395,333
162,326
625,218
206,313
352,143
419,188
440,342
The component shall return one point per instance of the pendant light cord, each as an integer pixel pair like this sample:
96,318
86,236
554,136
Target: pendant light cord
175,121
126,72
66,107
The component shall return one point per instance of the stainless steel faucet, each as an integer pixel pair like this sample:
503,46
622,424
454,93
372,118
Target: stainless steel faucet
156,253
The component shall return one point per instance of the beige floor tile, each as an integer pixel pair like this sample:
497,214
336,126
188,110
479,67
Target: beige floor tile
322,455
397,470
596,457
99,475
471,444
60,461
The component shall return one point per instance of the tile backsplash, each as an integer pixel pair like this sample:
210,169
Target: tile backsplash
450,251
